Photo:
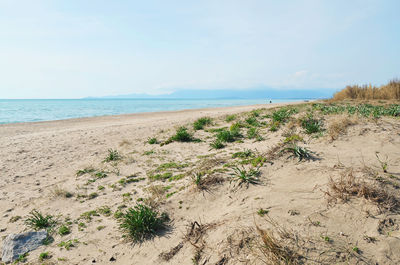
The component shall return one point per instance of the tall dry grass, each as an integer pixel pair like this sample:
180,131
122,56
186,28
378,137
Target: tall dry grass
390,91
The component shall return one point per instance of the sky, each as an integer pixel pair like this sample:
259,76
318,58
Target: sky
79,48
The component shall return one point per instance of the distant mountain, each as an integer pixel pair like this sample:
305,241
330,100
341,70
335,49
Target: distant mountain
238,94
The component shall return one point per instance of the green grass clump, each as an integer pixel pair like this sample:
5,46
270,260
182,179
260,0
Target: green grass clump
283,114
68,244
89,214
84,171
245,154
261,212
230,118
163,176
44,255
312,125
201,122
233,134
176,177
113,155
299,152
37,221
21,258
147,153
217,144
245,176
64,230
182,135
100,174
225,136
105,210
293,138
253,133
152,140
274,126
93,195
252,121
142,222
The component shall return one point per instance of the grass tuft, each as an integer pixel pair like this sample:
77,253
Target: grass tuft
182,135
244,176
312,125
201,122
37,221
113,155
301,153
142,222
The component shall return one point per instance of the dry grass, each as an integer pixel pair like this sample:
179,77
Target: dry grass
348,186
60,192
388,91
338,125
166,256
275,252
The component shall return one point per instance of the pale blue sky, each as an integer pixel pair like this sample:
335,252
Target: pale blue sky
78,48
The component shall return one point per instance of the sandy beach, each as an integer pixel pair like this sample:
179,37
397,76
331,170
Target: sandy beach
39,164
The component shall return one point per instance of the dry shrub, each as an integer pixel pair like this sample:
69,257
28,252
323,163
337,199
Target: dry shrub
388,91
339,125
349,186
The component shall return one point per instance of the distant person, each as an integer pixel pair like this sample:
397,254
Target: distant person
270,101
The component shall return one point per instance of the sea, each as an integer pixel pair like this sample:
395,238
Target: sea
34,110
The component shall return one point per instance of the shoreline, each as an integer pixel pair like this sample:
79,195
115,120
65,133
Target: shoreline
121,118
131,112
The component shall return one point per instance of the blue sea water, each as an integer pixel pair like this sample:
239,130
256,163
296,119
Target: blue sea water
32,110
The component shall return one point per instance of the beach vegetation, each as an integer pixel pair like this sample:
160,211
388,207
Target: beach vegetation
311,125
37,220
113,155
93,195
86,170
64,230
60,192
253,132
142,222
68,244
301,153
244,176
182,135
274,126
200,123
293,138
252,121
149,152
339,125
217,144
230,118
283,114
163,176
244,154
261,212
105,210
44,255
383,163
348,186
152,140
88,216
389,91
